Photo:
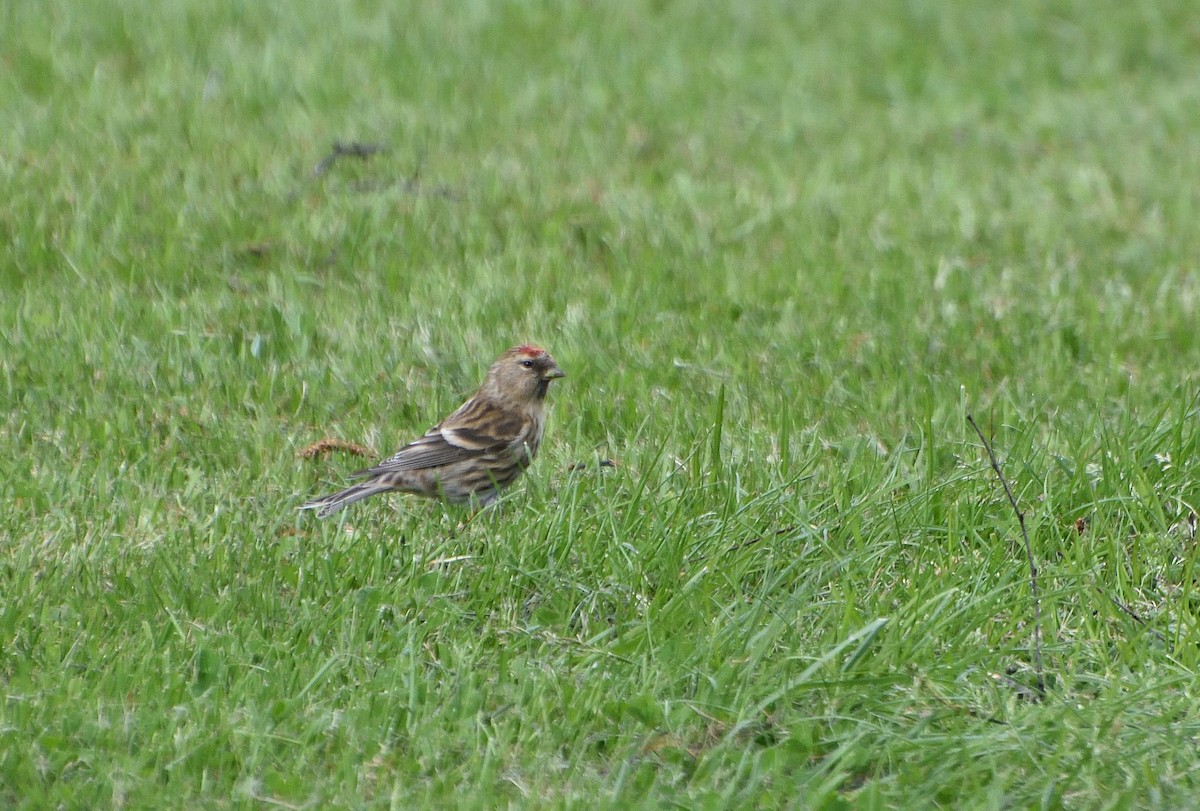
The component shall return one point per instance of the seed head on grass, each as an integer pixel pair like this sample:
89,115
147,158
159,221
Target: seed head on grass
476,452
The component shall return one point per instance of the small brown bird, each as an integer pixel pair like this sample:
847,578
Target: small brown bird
476,452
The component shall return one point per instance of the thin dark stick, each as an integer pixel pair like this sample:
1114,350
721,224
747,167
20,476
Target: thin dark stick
1136,618
1033,583
753,541
352,149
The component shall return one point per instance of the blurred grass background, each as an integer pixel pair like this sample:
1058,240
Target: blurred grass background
781,249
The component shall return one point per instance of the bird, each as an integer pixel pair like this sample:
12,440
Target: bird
476,452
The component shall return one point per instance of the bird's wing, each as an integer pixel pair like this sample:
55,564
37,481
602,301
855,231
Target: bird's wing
475,429
432,450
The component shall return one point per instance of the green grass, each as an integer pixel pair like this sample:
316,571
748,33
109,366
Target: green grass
781,249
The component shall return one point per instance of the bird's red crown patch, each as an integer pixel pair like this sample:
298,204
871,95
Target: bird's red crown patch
530,351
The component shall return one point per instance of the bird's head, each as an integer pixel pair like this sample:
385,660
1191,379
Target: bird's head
523,374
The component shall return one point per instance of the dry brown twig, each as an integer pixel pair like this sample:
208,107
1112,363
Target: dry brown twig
324,446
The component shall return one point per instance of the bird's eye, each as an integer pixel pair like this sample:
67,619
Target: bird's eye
528,364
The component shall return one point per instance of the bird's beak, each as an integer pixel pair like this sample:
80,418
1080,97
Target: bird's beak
553,373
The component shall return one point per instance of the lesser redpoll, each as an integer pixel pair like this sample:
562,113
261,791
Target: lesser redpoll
476,452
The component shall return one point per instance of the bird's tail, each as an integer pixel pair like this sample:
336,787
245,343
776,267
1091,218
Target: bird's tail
328,505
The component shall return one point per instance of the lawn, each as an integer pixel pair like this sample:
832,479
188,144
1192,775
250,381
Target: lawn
782,251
